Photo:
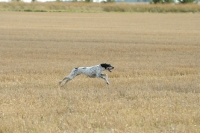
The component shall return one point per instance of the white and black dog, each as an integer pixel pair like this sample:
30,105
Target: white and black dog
93,71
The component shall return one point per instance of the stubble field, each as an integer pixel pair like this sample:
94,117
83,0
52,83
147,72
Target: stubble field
155,86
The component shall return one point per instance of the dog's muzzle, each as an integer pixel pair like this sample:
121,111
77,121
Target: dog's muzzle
110,69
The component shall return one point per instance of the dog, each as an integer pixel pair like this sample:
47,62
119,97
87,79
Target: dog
93,71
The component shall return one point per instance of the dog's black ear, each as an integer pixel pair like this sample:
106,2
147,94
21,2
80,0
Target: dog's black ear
103,65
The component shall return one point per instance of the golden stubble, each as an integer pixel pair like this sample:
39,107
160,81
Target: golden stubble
153,88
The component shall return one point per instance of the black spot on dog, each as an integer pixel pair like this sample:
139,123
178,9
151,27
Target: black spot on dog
105,65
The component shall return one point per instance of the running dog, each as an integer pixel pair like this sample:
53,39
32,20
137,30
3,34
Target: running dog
93,71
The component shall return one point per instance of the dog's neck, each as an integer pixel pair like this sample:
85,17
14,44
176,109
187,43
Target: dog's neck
102,68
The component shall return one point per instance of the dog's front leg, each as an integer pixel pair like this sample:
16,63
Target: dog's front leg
105,78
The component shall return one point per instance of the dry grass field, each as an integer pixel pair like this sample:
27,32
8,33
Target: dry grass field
155,86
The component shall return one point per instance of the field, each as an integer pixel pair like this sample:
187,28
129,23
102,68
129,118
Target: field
155,86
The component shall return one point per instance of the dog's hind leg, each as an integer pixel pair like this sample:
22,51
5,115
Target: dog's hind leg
65,78
72,75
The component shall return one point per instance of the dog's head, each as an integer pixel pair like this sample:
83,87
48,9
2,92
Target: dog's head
107,67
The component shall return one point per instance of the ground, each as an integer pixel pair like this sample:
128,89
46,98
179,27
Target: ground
155,86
